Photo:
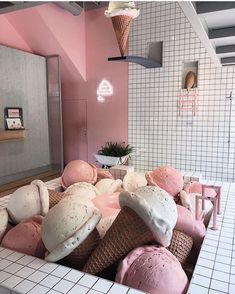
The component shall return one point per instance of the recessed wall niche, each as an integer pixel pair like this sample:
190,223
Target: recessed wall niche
187,67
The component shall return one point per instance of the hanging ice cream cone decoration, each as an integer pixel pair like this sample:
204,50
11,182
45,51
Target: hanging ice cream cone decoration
121,25
121,14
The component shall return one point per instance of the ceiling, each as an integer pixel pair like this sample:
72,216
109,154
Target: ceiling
218,19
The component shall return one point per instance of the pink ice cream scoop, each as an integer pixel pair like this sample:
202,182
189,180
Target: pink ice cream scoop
167,178
109,200
103,174
152,270
78,171
26,237
196,187
187,224
109,207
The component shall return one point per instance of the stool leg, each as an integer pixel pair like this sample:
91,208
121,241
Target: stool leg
203,195
219,194
197,207
214,227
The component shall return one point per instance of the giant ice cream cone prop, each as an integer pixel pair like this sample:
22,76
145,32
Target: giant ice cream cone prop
148,215
122,14
181,246
127,232
68,225
81,254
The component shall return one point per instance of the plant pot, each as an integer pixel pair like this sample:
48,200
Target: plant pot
111,160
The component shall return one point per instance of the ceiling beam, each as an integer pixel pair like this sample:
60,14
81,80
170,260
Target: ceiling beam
225,49
228,60
73,7
222,33
190,12
208,7
6,7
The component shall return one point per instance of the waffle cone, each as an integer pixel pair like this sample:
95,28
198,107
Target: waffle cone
127,232
121,25
181,246
81,254
54,197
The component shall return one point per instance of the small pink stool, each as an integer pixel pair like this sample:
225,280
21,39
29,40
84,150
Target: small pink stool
214,199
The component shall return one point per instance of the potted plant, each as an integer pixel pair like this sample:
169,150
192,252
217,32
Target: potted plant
113,153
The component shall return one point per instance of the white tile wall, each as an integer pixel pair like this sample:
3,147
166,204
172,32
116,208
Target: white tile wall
156,131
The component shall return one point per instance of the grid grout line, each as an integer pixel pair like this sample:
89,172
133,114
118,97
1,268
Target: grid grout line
69,281
159,135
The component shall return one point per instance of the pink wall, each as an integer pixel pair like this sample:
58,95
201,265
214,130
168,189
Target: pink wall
11,37
105,121
84,43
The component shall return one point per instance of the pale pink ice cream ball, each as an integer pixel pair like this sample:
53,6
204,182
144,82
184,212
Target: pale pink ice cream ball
167,178
196,187
26,237
152,270
187,224
78,171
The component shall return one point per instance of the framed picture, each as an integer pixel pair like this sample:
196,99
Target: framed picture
13,118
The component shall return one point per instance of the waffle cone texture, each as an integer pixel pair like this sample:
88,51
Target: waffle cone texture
181,246
80,255
121,26
54,197
126,233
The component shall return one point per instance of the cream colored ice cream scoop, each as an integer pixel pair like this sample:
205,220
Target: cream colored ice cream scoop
3,222
122,8
133,181
108,186
156,208
28,201
82,189
66,226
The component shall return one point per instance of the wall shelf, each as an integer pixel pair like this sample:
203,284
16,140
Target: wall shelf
154,59
146,62
12,135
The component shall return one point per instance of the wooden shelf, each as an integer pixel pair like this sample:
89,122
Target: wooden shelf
12,135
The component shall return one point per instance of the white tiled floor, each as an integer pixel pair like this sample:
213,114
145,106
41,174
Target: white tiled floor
38,277
214,272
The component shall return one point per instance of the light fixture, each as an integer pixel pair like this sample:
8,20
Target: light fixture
105,89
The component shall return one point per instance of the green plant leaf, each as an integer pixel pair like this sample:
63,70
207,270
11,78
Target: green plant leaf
115,149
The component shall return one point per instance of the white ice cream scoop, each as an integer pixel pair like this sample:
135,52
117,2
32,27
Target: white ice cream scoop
3,222
127,8
133,181
82,189
108,186
156,208
28,201
66,226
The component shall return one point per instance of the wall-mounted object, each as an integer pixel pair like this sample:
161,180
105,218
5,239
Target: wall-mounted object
187,102
12,135
13,118
105,89
153,60
190,75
